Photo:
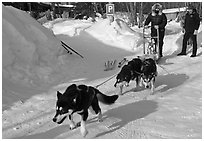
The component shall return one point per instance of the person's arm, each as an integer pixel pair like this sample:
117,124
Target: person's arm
148,20
197,21
184,23
164,21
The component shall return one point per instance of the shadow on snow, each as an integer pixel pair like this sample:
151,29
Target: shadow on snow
129,113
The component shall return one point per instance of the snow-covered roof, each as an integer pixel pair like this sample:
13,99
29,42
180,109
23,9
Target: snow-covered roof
61,5
174,10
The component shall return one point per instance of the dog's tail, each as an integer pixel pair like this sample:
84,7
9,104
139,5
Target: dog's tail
106,99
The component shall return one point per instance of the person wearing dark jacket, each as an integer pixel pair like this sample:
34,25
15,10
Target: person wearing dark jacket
190,28
158,21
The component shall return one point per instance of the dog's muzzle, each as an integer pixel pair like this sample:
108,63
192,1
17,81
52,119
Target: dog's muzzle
60,121
59,118
147,86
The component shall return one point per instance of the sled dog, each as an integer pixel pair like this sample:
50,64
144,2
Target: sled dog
149,73
131,71
78,99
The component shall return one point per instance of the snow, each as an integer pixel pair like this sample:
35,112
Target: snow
64,5
174,10
35,66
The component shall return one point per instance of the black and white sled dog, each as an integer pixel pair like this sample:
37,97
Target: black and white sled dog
131,71
78,99
149,73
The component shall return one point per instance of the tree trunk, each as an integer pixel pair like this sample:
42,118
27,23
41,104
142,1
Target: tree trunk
127,6
53,10
59,10
101,8
29,6
133,12
140,15
95,6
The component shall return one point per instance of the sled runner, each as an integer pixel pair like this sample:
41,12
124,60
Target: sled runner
151,48
68,48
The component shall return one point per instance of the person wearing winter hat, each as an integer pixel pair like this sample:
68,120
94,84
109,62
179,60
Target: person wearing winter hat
158,21
190,29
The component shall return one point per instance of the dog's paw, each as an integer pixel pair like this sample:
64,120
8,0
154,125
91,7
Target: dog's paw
84,132
72,127
120,93
78,124
100,120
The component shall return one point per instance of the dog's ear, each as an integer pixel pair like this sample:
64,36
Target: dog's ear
58,94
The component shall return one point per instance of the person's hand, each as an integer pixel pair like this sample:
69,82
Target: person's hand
146,26
156,27
195,32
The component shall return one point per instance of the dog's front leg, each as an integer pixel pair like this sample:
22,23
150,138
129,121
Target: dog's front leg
100,116
140,81
152,87
121,89
72,124
83,129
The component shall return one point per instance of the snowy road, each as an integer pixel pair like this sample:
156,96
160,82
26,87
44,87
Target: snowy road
173,112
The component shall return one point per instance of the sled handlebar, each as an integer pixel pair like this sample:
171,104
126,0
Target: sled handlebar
147,26
151,37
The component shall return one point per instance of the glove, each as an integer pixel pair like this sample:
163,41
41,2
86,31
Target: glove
195,32
146,26
156,26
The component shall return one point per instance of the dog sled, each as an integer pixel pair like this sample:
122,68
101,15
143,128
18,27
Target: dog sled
110,65
151,48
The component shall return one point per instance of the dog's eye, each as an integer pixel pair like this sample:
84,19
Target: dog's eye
62,111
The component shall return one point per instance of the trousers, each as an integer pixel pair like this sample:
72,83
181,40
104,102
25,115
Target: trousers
186,37
161,41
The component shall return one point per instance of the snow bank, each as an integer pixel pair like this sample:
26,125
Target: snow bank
29,50
68,27
116,33
34,60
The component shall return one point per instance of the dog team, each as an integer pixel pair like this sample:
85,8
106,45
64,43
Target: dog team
81,98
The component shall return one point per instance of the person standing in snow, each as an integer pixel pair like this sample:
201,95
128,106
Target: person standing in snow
190,29
158,21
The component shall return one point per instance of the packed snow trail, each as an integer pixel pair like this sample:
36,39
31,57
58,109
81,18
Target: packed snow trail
166,114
